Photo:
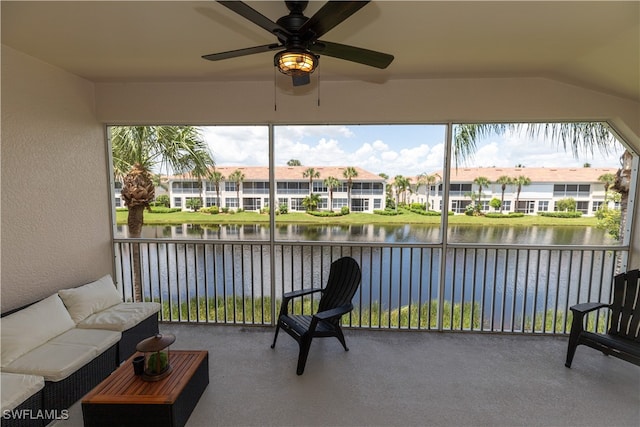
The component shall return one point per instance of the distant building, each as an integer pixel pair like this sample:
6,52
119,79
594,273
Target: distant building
547,186
367,192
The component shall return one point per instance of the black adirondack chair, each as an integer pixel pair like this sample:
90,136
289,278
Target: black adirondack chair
343,282
622,340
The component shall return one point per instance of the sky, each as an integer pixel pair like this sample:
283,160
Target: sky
406,150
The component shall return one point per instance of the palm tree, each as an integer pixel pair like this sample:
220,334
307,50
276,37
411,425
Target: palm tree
400,183
481,182
608,179
136,150
312,174
237,176
422,180
622,185
519,182
426,180
387,188
294,162
331,183
311,202
503,180
217,178
429,181
349,173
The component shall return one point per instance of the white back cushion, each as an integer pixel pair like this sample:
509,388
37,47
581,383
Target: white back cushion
33,326
91,298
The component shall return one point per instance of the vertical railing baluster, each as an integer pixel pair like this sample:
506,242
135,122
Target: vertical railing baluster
505,272
514,291
525,292
483,302
390,286
225,317
494,286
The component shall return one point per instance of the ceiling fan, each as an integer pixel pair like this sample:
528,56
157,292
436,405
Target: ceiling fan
299,46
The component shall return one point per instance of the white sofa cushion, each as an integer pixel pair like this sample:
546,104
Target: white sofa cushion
91,298
32,326
16,388
53,361
121,317
100,339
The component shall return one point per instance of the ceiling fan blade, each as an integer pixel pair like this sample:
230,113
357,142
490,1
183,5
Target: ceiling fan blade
352,53
254,16
242,52
329,15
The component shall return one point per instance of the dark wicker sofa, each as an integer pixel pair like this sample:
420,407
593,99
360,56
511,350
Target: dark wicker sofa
86,344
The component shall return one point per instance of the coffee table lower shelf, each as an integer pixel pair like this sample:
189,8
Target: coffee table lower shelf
124,399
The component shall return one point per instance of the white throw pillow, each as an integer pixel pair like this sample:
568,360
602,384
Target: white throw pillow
33,326
91,298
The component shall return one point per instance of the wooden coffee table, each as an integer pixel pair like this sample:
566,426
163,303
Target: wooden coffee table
125,399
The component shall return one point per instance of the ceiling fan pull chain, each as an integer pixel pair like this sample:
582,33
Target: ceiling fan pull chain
318,88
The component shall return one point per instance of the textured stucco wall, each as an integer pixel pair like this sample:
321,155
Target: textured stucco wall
55,212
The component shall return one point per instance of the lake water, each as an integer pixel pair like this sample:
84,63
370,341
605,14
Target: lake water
407,233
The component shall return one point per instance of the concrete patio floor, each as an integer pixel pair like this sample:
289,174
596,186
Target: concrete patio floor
392,378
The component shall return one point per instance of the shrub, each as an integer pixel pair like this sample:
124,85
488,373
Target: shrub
283,208
344,210
495,203
576,214
213,210
387,212
162,209
426,213
225,210
499,215
568,204
417,207
324,213
609,220
163,200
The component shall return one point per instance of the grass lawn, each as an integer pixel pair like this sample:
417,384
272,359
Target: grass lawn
151,218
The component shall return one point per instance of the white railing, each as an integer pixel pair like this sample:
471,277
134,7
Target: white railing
484,288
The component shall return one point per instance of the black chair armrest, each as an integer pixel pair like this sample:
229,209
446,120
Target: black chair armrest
579,312
294,294
334,312
301,292
587,307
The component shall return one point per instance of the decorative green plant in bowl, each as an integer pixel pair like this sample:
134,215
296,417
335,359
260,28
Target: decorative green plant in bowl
156,356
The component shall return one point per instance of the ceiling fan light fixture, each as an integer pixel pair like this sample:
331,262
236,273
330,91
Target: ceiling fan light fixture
295,62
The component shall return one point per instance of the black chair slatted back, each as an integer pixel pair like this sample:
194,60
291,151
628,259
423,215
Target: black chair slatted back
625,309
343,282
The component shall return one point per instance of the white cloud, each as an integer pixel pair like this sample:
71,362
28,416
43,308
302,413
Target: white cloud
238,145
388,149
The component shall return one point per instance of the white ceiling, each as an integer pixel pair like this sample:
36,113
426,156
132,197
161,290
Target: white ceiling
590,44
